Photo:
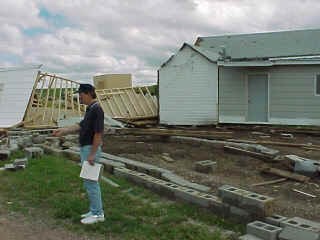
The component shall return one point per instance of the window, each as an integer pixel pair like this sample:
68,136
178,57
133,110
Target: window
317,85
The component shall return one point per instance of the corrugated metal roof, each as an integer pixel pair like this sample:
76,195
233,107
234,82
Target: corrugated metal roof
264,45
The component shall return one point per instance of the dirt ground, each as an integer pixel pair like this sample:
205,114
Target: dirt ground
237,170
15,226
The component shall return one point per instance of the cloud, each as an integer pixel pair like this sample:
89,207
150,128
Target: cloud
79,39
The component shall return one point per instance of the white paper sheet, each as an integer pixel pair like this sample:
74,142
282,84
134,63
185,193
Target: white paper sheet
90,172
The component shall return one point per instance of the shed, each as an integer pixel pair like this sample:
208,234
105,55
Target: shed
261,78
188,87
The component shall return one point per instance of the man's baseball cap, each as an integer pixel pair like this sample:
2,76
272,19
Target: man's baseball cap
85,88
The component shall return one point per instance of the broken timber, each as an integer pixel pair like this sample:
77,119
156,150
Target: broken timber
286,174
52,99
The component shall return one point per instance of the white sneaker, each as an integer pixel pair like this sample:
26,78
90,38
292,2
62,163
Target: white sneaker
88,214
93,219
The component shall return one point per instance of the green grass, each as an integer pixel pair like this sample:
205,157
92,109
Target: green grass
51,187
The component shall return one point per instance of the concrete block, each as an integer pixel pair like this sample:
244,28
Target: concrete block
292,233
240,214
24,142
10,167
4,154
263,230
275,219
53,141
20,162
255,203
301,223
205,166
33,152
249,237
38,139
13,147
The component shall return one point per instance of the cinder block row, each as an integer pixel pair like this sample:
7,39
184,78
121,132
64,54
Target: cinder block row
301,223
182,182
172,190
137,166
255,203
263,230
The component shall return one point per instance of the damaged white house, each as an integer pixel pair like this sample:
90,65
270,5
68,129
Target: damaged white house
262,78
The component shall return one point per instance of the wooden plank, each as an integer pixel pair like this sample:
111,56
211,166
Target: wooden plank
66,96
29,106
151,98
132,102
54,99
286,174
140,110
71,95
304,193
47,98
246,152
59,107
126,106
146,100
269,182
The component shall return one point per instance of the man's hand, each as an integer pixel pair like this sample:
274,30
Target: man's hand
58,132
90,159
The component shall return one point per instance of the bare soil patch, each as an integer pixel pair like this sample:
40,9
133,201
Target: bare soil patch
237,170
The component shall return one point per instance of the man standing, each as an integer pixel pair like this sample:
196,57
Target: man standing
90,138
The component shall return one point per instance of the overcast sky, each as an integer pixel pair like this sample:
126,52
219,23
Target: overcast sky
81,38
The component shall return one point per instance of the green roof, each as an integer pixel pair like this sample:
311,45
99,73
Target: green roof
264,45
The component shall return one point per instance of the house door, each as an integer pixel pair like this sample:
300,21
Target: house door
258,97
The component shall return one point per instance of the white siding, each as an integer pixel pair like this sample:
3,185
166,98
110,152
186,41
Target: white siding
188,90
232,95
292,95
14,94
292,99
